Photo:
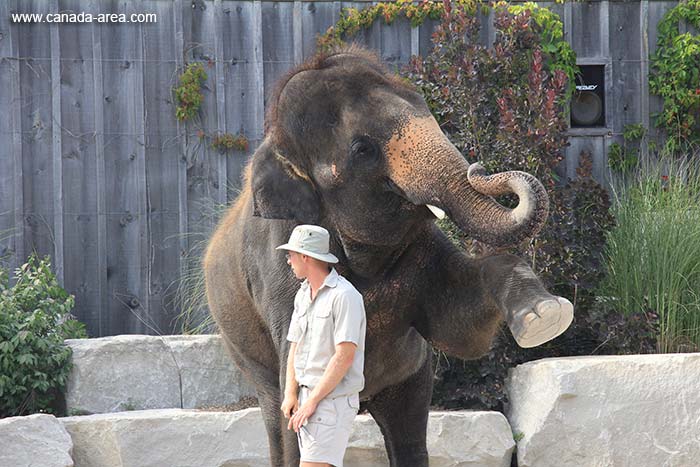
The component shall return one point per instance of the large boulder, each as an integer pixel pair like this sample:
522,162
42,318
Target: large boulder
169,437
129,372
185,437
34,440
636,410
134,372
208,376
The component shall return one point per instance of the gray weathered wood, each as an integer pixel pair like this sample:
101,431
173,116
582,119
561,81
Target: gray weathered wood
181,147
317,17
34,52
220,99
99,327
11,176
162,156
57,159
78,164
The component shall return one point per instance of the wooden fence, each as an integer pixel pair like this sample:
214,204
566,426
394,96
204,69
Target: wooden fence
96,171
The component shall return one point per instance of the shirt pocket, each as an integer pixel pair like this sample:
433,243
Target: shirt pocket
322,326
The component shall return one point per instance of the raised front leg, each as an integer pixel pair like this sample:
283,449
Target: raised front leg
469,299
534,316
401,411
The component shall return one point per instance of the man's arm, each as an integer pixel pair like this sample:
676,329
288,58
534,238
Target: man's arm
338,366
291,388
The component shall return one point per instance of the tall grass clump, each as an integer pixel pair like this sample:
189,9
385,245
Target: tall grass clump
653,254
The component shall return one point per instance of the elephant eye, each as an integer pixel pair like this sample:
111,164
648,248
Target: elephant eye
362,146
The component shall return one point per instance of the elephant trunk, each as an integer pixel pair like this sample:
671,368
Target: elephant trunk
430,170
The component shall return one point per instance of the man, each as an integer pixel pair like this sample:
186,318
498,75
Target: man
326,354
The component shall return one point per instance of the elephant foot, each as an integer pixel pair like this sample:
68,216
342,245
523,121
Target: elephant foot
536,325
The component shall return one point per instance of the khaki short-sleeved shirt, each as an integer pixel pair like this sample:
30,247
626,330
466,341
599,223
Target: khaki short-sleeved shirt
336,315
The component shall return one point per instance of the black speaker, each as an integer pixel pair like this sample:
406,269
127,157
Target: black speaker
588,101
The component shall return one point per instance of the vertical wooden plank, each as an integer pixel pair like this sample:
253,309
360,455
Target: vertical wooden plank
125,169
425,36
396,43
80,223
203,169
298,32
179,7
644,63
137,107
595,145
57,160
317,17
568,22
415,41
33,43
163,167
11,174
244,91
100,180
586,28
277,41
220,99
625,56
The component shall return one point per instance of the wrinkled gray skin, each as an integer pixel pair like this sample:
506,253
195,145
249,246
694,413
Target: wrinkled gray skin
350,147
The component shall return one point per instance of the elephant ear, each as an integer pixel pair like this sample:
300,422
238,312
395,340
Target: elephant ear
280,189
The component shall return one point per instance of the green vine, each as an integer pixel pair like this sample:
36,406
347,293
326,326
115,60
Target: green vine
190,97
353,20
675,76
189,92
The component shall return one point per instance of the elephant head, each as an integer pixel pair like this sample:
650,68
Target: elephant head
352,145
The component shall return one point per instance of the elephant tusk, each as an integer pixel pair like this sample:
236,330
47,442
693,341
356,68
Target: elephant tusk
439,213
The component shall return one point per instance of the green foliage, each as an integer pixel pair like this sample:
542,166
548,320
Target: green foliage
559,53
482,97
353,20
653,255
675,76
34,320
227,142
625,157
189,92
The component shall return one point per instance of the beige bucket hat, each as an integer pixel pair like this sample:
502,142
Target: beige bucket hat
310,240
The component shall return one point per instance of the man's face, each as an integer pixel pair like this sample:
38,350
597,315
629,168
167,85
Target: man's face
297,263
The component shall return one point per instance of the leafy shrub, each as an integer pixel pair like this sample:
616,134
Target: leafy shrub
34,320
189,92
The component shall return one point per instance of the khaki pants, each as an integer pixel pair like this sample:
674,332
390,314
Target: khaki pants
325,436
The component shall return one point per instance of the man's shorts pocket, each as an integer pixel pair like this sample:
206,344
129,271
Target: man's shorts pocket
354,402
325,413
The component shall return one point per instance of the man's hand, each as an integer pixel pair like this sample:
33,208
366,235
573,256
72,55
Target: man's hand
290,405
300,417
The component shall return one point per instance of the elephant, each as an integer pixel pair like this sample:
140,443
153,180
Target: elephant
350,146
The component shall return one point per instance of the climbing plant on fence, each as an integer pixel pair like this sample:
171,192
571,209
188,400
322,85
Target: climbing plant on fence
189,97
675,76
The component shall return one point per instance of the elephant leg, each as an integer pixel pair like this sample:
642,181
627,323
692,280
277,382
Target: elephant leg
534,316
267,389
401,411
289,437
